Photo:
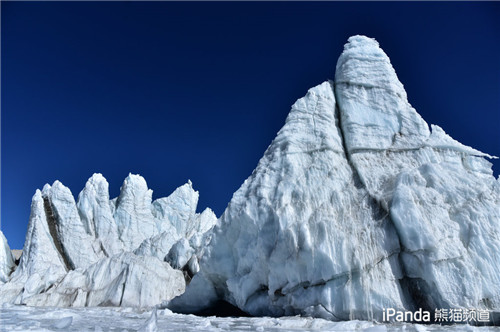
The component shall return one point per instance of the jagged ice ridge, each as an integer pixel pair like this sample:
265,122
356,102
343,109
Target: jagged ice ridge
98,251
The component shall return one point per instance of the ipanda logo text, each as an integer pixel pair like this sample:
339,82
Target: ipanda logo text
406,316
440,315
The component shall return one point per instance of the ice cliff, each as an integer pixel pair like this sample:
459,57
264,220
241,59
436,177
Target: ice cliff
98,251
357,205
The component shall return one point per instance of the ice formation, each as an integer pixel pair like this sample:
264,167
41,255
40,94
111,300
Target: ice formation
98,251
356,206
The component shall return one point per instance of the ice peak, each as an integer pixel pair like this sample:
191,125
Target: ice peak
38,194
96,178
362,48
188,186
134,178
360,41
46,189
375,113
133,182
185,198
96,184
364,63
310,125
210,212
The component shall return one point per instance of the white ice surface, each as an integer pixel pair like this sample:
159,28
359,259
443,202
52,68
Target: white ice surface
96,213
159,245
299,236
42,263
121,280
78,245
133,214
22,318
440,194
180,253
178,208
189,250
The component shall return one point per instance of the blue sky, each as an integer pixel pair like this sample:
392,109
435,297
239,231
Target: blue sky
176,91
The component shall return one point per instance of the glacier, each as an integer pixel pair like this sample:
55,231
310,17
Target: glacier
357,205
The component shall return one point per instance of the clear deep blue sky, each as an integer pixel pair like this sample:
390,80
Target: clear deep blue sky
178,91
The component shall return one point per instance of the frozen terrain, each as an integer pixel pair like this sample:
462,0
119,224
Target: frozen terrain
21,318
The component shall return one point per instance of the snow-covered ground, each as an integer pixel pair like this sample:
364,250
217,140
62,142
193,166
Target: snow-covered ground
23,318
